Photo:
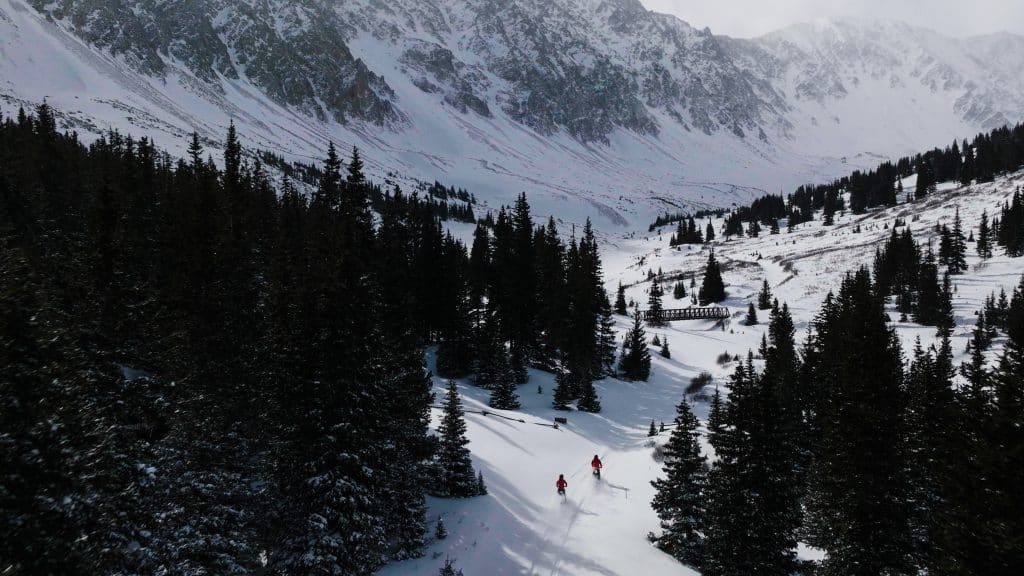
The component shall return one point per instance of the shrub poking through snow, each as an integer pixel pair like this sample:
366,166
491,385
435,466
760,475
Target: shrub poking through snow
699,382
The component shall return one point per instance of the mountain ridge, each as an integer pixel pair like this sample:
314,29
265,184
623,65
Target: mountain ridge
598,103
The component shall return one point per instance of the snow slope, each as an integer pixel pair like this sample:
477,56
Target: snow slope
522,527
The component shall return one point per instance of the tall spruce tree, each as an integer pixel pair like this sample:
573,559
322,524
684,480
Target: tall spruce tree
655,311
620,301
503,390
930,446
712,288
958,247
984,242
929,293
679,500
565,390
589,401
754,489
751,318
457,478
858,495
606,342
635,363
764,297
730,541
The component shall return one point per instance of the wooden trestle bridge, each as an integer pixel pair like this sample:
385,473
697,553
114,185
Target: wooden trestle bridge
692,313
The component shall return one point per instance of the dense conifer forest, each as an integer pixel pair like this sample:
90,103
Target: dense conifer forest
890,469
208,372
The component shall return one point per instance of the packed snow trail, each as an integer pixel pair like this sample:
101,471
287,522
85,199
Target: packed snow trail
522,526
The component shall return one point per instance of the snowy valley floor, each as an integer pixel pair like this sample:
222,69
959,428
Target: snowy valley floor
523,527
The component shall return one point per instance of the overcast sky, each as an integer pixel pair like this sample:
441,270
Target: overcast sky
746,18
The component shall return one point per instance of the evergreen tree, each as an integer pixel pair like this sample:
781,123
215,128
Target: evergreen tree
984,245
713,288
679,500
620,301
958,247
517,365
754,489
730,540
945,245
925,179
605,342
285,400
479,265
751,319
930,414
492,362
588,398
754,229
503,389
967,170
565,390
552,294
709,234
635,363
858,487
764,297
519,313
457,478
945,321
655,312
679,290
455,351
929,294
665,353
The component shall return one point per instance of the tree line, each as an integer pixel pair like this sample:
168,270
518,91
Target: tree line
979,160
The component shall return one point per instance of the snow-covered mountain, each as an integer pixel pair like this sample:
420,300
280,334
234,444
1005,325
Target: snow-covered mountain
595,107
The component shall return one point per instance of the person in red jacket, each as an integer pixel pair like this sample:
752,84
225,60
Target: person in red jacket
561,484
596,465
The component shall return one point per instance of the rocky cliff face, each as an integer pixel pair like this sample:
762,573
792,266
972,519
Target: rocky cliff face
586,67
294,51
